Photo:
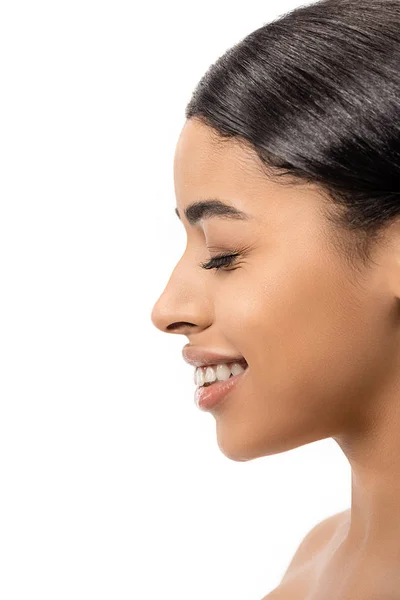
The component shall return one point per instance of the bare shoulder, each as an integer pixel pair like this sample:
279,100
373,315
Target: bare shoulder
308,558
314,542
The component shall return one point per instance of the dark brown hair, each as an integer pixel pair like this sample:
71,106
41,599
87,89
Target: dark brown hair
316,92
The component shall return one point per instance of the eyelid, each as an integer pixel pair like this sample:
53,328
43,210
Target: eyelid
226,259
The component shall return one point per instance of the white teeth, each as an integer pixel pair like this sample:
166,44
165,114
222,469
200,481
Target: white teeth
210,375
220,372
223,372
199,376
236,369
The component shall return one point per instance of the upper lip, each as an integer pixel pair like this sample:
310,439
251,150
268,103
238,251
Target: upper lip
199,357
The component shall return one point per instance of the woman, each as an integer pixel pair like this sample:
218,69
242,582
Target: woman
287,179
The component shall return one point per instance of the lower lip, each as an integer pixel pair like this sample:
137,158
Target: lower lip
208,397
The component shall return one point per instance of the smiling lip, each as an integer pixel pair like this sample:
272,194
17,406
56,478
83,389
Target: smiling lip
201,357
209,397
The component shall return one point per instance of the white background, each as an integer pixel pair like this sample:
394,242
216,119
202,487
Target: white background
112,485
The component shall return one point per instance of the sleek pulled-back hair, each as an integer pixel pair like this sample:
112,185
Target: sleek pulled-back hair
316,93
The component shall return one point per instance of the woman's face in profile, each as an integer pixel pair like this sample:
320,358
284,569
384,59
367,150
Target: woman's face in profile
319,338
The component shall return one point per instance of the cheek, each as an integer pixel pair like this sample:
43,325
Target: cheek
313,341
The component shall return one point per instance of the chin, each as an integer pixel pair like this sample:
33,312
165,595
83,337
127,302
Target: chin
242,446
240,451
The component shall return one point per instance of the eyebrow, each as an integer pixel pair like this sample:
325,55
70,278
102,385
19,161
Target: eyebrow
212,207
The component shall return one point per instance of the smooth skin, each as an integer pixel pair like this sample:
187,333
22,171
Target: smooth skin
321,338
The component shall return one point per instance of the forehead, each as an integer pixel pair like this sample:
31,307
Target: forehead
204,160
206,165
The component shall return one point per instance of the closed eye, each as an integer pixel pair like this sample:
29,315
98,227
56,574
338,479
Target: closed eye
222,260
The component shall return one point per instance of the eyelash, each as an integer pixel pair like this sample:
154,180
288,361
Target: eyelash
217,262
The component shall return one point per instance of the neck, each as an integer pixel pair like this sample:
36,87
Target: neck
373,528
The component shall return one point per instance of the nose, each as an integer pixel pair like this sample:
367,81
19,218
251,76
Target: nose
163,317
181,308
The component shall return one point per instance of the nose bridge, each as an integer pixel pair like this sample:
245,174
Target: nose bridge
183,301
